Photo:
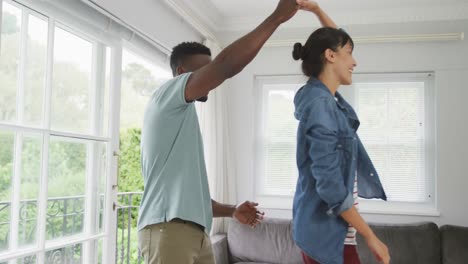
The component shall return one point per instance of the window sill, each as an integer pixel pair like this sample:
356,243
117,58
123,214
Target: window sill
365,206
398,208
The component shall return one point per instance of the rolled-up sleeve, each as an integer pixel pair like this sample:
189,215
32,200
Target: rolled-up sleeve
322,137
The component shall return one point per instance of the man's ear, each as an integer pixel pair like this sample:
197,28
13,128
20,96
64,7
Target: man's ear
180,70
330,55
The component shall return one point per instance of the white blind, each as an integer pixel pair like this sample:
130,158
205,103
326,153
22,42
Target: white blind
280,140
392,115
392,130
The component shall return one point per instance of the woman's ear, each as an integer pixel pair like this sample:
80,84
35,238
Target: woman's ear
330,55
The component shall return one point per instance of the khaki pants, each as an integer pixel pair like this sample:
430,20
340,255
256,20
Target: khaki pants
175,243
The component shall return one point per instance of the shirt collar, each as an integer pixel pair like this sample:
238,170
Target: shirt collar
316,83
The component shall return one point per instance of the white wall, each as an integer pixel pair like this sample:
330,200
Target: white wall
153,18
449,61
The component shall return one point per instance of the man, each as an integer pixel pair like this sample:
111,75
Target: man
176,210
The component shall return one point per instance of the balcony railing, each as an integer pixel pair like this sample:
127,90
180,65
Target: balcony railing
127,234
65,217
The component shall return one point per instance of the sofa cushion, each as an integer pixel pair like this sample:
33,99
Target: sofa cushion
407,243
454,244
250,263
269,242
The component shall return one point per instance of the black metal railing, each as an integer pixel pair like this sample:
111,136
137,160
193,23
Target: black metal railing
65,217
127,235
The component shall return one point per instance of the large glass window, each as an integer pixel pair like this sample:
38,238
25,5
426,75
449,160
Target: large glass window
396,113
54,139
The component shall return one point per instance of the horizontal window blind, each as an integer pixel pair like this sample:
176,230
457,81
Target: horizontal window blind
392,130
392,111
280,140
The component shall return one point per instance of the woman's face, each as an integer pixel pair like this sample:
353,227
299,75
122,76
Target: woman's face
344,64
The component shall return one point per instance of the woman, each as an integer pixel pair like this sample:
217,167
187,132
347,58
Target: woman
332,162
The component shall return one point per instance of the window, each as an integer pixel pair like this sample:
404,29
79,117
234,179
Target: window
397,128
54,156
276,140
140,79
396,114
63,73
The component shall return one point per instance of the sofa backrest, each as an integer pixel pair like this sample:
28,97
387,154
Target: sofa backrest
421,243
454,244
269,242
407,243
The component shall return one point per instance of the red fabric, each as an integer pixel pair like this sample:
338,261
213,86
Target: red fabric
350,256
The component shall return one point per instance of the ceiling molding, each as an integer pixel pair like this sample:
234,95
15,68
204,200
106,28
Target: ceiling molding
193,17
361,17
205,11
206,19
381,39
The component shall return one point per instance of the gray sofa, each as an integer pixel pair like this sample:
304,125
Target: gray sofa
271,243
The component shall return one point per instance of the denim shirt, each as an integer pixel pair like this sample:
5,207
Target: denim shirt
329,154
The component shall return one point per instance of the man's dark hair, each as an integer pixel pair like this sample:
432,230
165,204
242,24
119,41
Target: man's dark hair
184,50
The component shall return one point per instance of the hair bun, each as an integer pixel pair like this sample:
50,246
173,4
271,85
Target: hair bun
297,51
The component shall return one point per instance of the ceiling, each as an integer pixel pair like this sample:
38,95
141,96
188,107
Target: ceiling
239,15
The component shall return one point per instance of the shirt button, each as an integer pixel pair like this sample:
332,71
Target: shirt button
340,146
354,138
371,174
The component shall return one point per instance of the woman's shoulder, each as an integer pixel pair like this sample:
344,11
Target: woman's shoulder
310,93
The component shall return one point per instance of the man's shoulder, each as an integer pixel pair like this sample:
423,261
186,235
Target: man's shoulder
179,80
173,89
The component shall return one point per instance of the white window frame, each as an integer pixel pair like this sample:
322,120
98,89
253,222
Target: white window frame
87,238
284,202
428,208
268,201
89,24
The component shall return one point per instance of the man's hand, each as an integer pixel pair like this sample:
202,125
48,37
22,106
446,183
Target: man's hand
285,10
379,250
247,214
308,5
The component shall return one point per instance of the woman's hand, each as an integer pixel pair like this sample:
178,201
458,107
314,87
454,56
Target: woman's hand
379,250
308,5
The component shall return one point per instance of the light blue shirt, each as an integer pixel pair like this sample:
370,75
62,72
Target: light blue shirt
172,159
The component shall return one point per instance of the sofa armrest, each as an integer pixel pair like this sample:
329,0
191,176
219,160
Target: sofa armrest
220,248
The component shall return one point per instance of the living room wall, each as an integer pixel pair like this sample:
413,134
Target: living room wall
449,61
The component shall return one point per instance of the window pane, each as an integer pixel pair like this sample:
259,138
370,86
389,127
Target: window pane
99,254
71,83
106,94
9,59
66,187
281,174
72,254
139,80
393,133
35,71
6,173
30,182
27,260
99,175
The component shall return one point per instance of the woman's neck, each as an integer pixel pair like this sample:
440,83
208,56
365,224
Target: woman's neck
330,81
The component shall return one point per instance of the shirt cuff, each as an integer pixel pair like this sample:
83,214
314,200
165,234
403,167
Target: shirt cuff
338,209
